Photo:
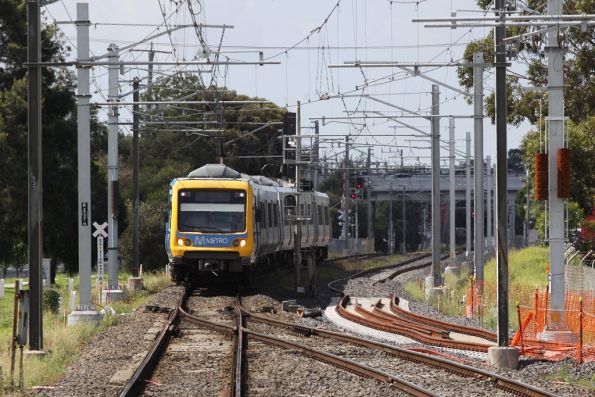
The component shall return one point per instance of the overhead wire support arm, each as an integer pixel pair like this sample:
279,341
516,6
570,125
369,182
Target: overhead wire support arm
413,70
167,31
164,63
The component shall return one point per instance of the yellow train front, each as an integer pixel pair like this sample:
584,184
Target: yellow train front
222,223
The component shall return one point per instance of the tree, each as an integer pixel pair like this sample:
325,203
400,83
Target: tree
172,151
579,64
59,144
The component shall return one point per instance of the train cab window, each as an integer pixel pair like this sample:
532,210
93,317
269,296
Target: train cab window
211,210
309,214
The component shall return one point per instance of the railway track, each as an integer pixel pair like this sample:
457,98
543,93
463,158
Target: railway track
233,322
431,361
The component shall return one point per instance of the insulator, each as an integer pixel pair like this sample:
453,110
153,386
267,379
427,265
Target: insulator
564,173
540,178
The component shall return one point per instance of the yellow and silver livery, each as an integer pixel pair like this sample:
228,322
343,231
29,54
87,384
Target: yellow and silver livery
221,221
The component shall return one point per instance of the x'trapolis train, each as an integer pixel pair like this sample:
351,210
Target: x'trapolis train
222,222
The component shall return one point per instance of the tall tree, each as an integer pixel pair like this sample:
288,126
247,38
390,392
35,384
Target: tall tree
59,144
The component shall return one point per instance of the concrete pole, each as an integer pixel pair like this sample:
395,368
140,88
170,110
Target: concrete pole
555,128
34,181
478,196
451,190
468,195
84,158
404,218
501,182
391,227
346,197
370,234
135,178
316,164
113,189
436,275
298,224
489,189
528,211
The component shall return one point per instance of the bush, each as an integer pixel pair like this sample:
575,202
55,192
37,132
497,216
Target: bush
51,300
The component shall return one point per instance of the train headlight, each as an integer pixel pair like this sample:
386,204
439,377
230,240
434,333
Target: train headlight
240,242
184,242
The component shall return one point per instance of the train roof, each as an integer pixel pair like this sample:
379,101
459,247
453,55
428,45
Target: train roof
221,171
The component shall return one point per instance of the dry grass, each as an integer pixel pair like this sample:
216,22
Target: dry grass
61,342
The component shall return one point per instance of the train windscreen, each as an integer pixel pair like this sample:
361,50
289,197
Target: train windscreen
212,211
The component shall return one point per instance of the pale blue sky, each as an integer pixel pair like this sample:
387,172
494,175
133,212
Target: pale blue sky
274,25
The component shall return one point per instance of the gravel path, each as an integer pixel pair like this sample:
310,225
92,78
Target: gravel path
112,354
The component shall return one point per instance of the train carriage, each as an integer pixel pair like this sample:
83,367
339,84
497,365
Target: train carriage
222,222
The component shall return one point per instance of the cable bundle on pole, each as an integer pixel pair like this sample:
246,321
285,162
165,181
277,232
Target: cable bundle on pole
563,173
540,178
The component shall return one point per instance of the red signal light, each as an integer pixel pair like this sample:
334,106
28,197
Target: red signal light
353,196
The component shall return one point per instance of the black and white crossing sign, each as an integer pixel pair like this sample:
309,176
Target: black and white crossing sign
100,229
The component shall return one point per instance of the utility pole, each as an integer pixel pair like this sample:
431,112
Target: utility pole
316,159
391,227
346,194
84,310
468,195
135,175
113,190
435,275
404,218
478,196
298,223
34,181
555,127
502,355
370,216
490,207
451,191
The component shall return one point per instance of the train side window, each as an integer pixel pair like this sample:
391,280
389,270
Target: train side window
276,214
328,215
263,209
270,209
320,218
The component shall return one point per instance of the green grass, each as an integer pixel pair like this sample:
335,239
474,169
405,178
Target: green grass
565,374
527,271
61,342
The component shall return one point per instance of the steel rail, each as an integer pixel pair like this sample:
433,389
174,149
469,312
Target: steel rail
343,363
238,357
517,387
135,384
361,273
366,319
394,307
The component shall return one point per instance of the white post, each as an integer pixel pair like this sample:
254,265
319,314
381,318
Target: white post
468,195
489,210
451,190
478,195
112,171
84,157
436,243
1,287
84,312
555,128
100,265
70,284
